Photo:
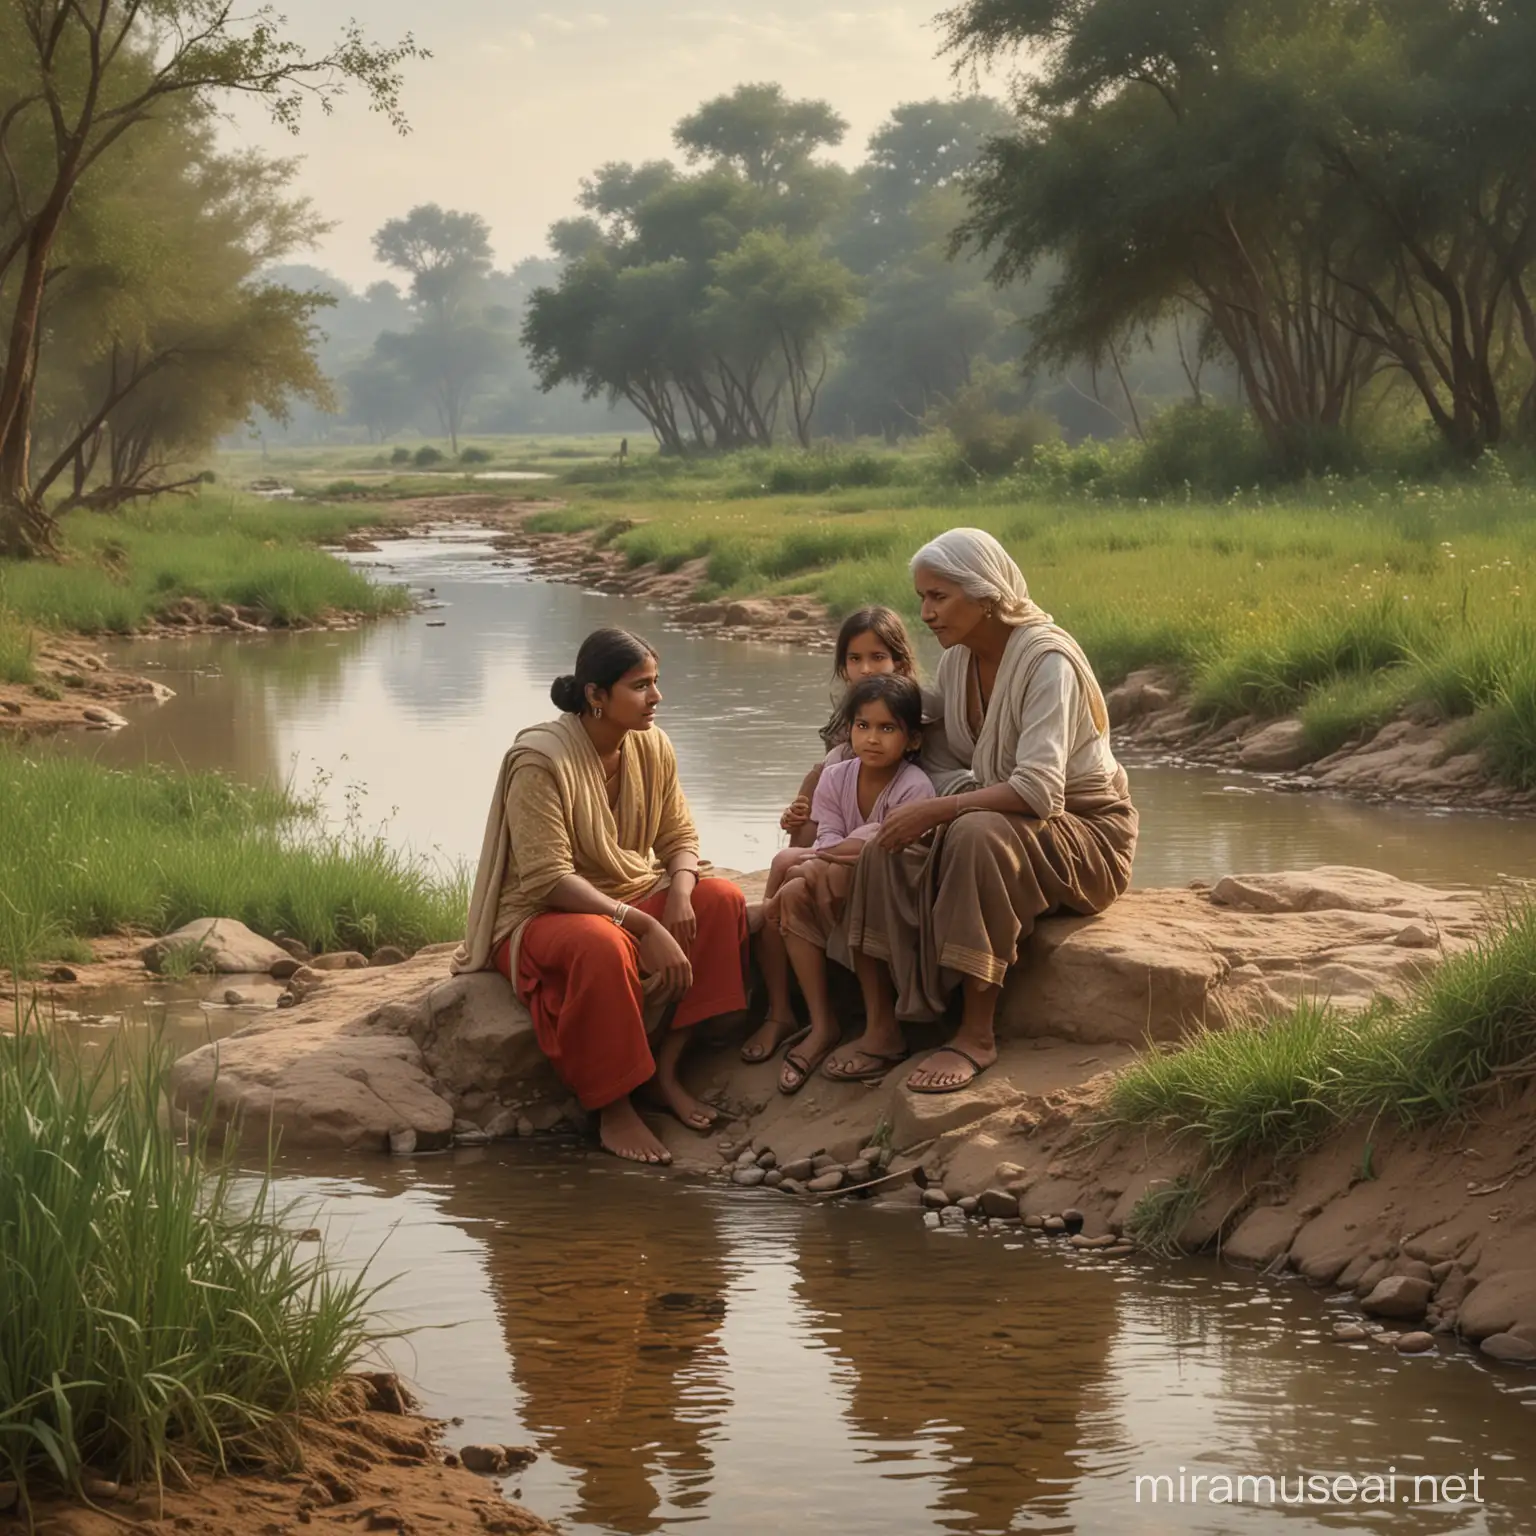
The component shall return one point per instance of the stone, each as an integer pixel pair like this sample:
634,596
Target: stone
1325,1268
1414,936
766,1159
931,1219
935,1198
222,945
801,1169
502,1124
1073,1219
11,707
284,969
339,960
525,1126
952,1216
793,1186
1454,1289
402,1143
387,954
308,1235
1414,1343
1119,1251
63,973
1399,1296
294,947
1036,1223
1262,1236
94,714
235,998
1372,1276
969,1204
1500,1304
1509,1347
822,1161
825,1182
1055,1224
1415,1268
749,1178
1278,748
544,1118
858,1171
870,1155
488,1460
752,612
474,1137
746,1158
998,1202
1350,1333
287,1000
773,1178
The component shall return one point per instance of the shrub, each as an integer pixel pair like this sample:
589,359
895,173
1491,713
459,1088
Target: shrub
476,456
400,456
426,456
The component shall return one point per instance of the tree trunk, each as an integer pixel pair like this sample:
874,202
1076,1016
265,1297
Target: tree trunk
26,530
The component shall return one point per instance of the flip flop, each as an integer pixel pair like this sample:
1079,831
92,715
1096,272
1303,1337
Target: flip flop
804,1070
884,1064
795,1035
954,1050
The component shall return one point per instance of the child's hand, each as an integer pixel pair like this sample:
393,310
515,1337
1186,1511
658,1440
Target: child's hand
797,813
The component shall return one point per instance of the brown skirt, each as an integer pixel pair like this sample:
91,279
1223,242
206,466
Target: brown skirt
960,905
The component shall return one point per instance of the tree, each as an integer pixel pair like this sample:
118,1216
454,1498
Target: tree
760,133
81,78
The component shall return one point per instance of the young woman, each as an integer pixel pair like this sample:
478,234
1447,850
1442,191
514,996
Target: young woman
884,718
1034,816
873,642
588,897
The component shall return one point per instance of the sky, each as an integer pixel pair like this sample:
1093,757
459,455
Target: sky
522,98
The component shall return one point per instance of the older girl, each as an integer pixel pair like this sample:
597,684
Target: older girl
588,897
1034,816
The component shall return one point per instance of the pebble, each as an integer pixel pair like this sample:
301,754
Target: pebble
952,1216
525,1126
1055,1224
1415,1343
969,1204
236,998
98,1488
1119,1251
387,954
822,1161
284,970
766,1159
1350,1333
474,1137
11,707
402,1143
858,1171
62,973
749,1177
1034,1223
487,1459
1073,1220
773,1178
746,1158
308,1235
935,1198
792,1186
930,1218
870,1155
831,1179
287,1000
1077,1240
800,1169
998,1202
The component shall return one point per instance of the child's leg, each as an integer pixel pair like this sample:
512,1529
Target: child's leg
808,956
781,1022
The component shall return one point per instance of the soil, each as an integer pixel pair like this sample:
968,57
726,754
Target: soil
375,1467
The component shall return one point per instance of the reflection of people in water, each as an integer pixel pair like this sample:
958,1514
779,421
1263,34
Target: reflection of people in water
996,1391
613,1328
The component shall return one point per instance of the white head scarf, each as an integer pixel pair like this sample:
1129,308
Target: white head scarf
984,571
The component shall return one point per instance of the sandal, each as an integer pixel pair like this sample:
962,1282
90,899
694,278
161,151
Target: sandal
954,1050
883,1065
796,1034
802,1069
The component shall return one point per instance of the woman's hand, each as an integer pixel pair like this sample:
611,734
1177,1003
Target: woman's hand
907,823
796,814
679,918
661,955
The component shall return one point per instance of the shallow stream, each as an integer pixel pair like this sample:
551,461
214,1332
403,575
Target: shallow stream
689,1355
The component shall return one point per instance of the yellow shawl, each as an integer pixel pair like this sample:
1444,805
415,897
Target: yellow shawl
558,823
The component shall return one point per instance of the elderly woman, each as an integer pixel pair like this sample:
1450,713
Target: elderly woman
588,897
1034,816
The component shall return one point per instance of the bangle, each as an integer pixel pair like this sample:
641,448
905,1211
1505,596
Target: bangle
618,915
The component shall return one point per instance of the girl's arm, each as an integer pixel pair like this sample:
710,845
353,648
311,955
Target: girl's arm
826,812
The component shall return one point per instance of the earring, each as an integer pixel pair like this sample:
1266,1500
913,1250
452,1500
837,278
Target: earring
597,711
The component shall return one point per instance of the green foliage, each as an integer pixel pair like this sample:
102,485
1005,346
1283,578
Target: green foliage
16,664
86,851
1280,1085
1160,1215
426,456
122,571
476,456
400,456
158,1309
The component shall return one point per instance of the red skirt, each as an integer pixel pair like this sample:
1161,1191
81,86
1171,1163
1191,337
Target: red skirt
579,976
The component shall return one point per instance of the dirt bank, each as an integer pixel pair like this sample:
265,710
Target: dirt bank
375,1467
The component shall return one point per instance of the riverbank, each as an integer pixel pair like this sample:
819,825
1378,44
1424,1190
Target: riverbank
414,1060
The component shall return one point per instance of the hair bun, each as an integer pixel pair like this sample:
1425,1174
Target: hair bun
568,695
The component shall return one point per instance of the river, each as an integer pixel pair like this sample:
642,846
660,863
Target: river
689,1355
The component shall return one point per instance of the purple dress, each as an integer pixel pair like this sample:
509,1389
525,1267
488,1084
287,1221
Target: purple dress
835,810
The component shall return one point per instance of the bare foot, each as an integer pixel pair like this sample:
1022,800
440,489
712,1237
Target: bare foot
765,1040
952,1067
626,1135
667,1091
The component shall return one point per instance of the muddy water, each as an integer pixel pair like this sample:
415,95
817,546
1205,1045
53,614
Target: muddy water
686,1355
407,720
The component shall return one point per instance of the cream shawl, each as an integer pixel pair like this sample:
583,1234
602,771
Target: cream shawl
560,823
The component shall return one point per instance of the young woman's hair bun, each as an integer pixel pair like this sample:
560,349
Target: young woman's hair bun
568,695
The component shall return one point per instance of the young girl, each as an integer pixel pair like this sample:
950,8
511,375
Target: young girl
883,716
871,643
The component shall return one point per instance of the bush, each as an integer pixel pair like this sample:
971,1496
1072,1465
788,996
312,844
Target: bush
400,456
476,456
426,456
157,1310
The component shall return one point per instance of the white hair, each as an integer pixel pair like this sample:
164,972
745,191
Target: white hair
983,570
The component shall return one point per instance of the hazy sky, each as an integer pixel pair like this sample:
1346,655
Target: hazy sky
524,97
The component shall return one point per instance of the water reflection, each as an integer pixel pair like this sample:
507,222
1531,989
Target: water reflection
418,717
685,1354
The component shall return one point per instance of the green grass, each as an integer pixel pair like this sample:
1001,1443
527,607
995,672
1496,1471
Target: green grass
1347,602
155,1312
86,850
119,572
1281,1085
16,647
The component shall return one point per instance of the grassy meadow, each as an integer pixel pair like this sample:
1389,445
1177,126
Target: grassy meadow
160,1314
86,850
1347,601
119,572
